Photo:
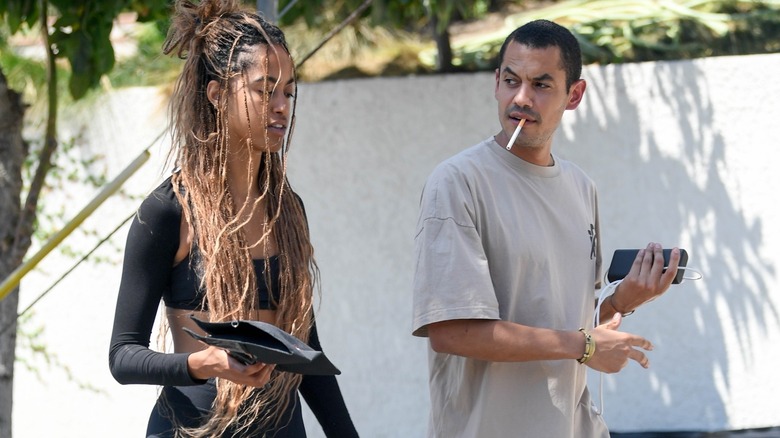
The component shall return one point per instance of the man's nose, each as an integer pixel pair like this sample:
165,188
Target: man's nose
524,98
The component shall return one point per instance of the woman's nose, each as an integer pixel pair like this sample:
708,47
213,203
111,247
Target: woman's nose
280,103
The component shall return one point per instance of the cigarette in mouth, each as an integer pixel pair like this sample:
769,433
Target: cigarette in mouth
514,136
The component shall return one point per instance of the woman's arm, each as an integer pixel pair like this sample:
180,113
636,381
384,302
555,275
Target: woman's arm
151,246
323,395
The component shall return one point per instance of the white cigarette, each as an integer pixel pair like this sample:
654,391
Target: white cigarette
514,136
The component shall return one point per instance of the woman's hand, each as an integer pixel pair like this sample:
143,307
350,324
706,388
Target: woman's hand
215,362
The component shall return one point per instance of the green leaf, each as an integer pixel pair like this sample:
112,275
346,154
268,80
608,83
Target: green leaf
18,12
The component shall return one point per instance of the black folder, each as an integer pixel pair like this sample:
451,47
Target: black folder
255,341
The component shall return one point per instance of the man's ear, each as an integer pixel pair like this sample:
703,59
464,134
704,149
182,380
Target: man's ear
212,92
576,93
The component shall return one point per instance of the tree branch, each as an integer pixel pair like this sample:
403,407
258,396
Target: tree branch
27,218
355,14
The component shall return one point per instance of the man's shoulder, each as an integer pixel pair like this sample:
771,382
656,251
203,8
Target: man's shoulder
573,169
464,160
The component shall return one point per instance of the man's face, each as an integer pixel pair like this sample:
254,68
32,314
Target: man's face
531,85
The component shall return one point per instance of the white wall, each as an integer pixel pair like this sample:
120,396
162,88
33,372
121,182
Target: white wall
681,152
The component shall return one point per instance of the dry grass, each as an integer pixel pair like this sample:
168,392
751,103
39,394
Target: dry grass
356,51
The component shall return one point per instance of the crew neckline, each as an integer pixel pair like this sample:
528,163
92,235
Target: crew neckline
521,165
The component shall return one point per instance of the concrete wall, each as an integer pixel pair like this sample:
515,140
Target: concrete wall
681,152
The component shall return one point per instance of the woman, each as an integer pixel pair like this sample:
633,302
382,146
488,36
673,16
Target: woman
224,238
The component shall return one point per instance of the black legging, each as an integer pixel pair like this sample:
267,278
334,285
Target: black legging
192,404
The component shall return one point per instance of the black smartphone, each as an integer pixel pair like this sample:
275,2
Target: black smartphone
622,260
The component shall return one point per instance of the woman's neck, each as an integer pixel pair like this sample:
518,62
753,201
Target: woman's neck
242,178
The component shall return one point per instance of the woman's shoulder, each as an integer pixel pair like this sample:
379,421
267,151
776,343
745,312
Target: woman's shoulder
161,206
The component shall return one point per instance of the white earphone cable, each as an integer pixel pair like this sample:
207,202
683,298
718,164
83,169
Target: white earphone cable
608,290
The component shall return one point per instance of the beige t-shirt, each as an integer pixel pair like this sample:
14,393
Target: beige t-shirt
500,238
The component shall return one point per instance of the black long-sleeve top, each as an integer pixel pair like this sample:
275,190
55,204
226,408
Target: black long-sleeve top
148,276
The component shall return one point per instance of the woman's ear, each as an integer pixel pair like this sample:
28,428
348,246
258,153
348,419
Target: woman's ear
212,92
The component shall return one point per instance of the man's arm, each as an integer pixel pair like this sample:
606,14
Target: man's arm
503,341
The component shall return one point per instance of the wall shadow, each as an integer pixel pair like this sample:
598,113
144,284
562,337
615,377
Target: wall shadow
660,121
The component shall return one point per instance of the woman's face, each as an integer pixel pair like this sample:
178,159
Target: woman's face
259,101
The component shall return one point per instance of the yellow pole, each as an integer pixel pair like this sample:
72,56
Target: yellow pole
16,276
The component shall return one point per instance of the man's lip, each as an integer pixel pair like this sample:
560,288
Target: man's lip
518,117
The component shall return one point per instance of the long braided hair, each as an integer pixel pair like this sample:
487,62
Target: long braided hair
218,41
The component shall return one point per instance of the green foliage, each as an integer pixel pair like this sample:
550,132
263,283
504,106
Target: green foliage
609,31
446,10
429,16
410,15
615,31
24,74
80,32
148,66
18,12
669,29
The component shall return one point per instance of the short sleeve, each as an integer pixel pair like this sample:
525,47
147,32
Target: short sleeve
451,274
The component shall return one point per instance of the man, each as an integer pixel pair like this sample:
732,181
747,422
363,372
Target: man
507,258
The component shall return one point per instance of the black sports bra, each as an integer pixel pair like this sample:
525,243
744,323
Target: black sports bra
185,291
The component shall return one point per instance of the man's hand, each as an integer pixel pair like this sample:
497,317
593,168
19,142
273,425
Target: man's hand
646,280
614,348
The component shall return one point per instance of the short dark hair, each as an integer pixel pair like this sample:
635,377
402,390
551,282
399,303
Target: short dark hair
540,34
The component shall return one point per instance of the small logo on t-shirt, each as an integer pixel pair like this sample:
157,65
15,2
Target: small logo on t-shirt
593,237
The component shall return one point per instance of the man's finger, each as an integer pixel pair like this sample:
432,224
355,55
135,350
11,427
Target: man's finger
638,260
638,341
639,357
671,271
658,260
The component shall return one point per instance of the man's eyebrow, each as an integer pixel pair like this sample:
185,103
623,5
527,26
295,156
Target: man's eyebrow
542,77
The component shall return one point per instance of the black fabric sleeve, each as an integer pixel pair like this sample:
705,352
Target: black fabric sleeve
151,246
323,395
